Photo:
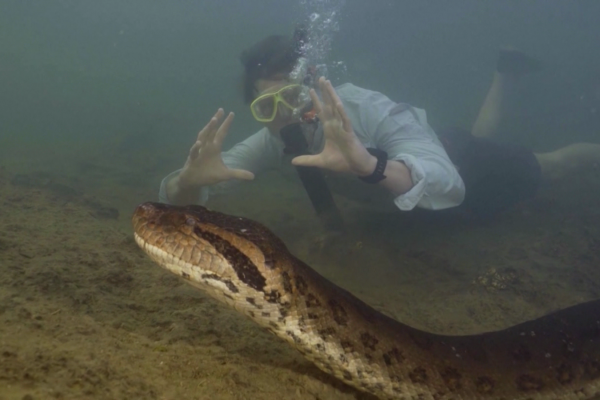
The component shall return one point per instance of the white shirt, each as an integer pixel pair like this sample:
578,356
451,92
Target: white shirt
397,128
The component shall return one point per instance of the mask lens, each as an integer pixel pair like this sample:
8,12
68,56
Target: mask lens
264,107
294,96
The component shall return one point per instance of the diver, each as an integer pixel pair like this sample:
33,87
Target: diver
362,133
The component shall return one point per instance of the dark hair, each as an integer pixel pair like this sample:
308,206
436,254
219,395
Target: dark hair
273,55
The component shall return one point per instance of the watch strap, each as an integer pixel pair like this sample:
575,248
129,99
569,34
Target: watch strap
377,175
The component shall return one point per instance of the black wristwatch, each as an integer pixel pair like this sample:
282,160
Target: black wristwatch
377,175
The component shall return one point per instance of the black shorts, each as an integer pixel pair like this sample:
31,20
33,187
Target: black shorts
497,176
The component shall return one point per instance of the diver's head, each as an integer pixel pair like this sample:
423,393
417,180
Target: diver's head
277,79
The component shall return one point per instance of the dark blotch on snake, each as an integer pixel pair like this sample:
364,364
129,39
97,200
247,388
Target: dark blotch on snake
347,375
339,313
347,346
273,296
294,337
232,288
368,340
394,356
287,282
301,285
418,375
452,378
283,313
245,269
326,332
312,301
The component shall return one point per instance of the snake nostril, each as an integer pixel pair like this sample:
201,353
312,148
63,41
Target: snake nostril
146,209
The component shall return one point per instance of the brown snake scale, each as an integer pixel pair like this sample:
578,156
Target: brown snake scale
243,264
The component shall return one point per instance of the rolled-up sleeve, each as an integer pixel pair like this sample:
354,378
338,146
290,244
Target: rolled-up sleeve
435,186
403,132
257,153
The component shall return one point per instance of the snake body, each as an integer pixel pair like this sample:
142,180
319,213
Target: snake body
241,263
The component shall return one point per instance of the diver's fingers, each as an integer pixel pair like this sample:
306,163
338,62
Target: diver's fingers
308,161
210,126
241,174
325,112
315,100
335,107
347,125
195,149
213,126
332,93
327,100
223,129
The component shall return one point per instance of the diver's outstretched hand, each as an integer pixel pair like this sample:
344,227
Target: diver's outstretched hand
204,165
343,152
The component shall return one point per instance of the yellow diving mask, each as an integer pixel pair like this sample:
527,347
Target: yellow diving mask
295,96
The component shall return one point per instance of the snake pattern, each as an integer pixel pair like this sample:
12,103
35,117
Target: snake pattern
241,263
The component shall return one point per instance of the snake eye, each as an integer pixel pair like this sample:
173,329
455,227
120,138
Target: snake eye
190,221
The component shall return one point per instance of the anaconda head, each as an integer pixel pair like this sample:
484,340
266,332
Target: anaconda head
211,250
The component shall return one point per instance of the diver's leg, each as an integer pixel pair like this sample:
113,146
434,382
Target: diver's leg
511,65
569,160
492,109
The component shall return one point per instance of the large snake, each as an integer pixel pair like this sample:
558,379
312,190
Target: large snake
243,264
